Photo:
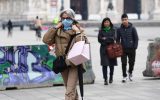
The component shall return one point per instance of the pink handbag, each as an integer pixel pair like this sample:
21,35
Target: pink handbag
79,53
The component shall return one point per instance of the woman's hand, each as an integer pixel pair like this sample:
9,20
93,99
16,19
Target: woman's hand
104,38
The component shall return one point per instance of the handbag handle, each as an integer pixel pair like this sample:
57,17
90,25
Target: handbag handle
82,36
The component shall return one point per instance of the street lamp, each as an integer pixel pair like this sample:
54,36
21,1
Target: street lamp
62,5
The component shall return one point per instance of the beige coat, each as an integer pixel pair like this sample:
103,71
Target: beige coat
62,39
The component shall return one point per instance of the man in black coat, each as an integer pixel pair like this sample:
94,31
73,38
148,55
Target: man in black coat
128,37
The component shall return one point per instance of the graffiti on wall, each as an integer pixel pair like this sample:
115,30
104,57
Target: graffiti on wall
20,65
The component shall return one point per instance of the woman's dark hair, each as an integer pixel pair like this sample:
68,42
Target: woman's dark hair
108,19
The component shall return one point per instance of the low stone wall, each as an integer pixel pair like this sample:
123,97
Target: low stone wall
153,60
29,66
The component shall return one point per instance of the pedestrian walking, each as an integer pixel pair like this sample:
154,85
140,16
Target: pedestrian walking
106,37
128,37
62,40
38,28
10,28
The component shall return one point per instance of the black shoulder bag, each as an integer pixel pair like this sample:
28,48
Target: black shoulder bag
59,64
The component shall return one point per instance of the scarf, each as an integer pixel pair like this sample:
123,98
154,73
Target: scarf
107,29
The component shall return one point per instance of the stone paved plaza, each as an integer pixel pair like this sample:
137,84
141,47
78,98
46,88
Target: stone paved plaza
142,88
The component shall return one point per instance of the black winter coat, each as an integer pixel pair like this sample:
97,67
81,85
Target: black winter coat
128,37
110,37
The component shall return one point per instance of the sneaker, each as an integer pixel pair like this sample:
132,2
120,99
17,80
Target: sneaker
130,77
124,79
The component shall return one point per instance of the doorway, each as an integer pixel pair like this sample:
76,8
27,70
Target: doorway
80,7
133,7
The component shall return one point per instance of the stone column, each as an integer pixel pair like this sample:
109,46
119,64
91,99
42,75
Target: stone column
30,13
4,10
53,9
58,6
156,4
36,8
145,5
103,8
48,10
156,12
66,4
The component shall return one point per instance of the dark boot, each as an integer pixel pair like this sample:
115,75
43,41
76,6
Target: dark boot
111,79
104,69
105,82
111,74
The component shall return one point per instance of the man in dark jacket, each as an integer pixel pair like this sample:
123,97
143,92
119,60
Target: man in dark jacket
128,37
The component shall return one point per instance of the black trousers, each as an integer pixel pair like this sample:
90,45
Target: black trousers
130,54
105,72
38,32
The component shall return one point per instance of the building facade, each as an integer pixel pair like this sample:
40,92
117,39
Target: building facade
147,9
88,9
28,9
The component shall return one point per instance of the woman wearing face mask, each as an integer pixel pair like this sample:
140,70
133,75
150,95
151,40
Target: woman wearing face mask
106,36
67,21
67,28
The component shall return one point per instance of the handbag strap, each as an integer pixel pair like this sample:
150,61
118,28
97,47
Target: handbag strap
69,43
